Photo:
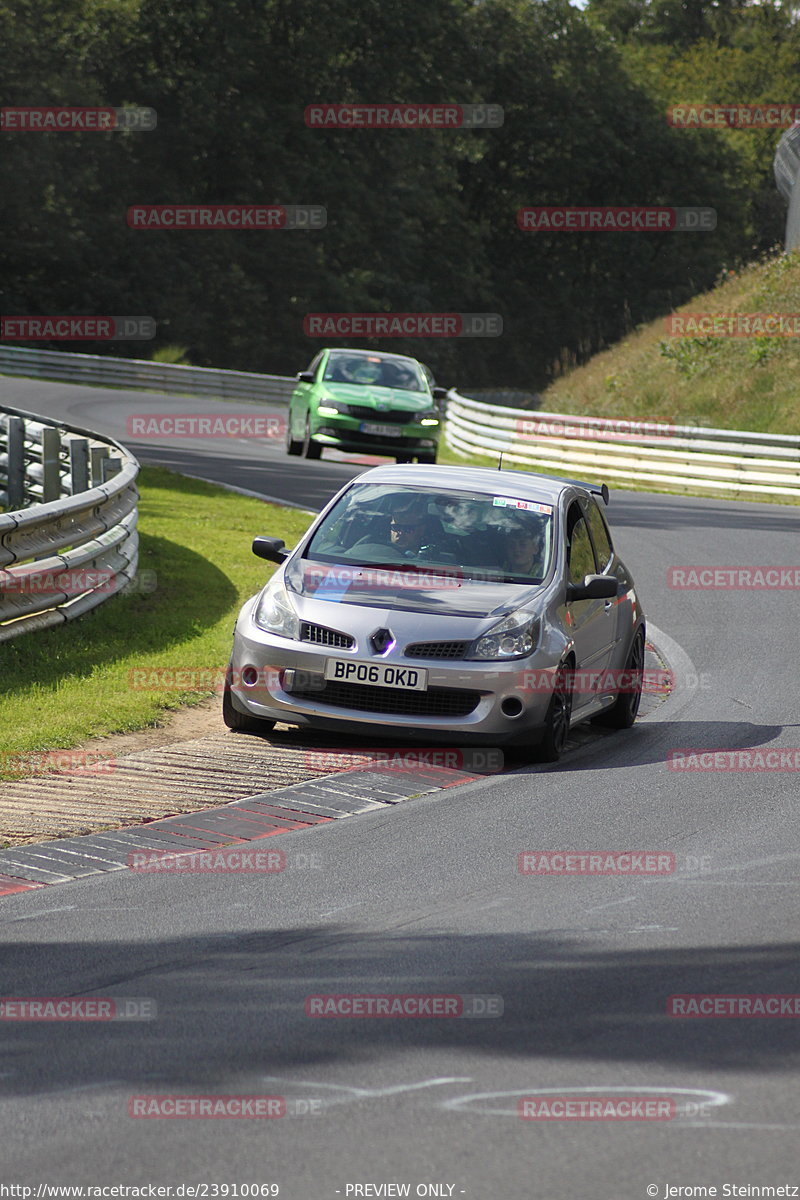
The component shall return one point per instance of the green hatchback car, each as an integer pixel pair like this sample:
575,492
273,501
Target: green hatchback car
362,400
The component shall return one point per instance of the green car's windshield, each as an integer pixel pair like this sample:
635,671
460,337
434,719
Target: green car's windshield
490,537
377,370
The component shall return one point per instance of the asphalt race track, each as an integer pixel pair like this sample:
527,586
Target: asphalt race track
426,899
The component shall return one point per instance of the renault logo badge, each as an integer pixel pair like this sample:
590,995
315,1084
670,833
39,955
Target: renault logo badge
382,640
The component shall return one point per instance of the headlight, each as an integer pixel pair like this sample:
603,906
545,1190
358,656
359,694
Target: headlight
274,611
516,636
427,418
331,410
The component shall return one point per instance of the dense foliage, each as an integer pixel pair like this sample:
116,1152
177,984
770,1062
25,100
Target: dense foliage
417,220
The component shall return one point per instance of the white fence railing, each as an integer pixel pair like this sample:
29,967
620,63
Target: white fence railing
679,457
70,540
138,373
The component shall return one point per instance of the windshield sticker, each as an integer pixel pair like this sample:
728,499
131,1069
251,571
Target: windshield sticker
528,505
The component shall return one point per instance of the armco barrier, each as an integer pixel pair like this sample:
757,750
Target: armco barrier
138,373
81,519
679,457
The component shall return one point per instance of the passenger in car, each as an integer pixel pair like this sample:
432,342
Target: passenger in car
524,551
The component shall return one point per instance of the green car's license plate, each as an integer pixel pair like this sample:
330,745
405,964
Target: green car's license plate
380,430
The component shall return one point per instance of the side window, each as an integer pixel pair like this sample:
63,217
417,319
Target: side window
599,532
580,555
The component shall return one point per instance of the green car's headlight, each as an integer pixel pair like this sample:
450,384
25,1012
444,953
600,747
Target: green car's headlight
275,613
516,636
331,410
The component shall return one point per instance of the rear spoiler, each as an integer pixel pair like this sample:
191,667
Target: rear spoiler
597,489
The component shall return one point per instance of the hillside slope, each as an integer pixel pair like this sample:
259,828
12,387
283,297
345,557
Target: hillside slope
725,382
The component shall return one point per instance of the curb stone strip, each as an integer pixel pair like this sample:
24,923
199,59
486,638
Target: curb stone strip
250,819
264,814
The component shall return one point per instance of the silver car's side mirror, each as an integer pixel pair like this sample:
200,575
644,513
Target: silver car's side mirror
594,587
270,548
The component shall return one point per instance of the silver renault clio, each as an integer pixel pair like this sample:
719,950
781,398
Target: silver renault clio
453,604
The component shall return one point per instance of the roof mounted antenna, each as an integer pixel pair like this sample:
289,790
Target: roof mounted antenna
500,462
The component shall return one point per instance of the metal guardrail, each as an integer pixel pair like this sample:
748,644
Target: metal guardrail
786,167
75,544
680,457
138,373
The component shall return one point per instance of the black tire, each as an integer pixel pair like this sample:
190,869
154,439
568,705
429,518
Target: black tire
623,711
559,712
426,460
402,459
292,446
310,448
241,722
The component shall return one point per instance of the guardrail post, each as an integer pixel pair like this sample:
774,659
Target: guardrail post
109,467
97,454
79,465
16,462
51,465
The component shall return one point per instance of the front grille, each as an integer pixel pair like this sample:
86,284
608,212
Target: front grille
378,439
320,635
436,702
436,650
394,416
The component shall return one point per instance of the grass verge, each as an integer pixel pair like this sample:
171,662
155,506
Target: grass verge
747,383
64,685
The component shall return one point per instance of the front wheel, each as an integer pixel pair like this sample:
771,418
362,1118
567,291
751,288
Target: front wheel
292,446
559,714
311,449
241,722
623,711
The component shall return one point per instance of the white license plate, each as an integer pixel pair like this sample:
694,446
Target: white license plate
377,674
381,430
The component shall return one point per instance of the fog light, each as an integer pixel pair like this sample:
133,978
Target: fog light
512,706
250,676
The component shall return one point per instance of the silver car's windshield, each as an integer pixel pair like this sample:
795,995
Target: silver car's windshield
375,370
492,537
